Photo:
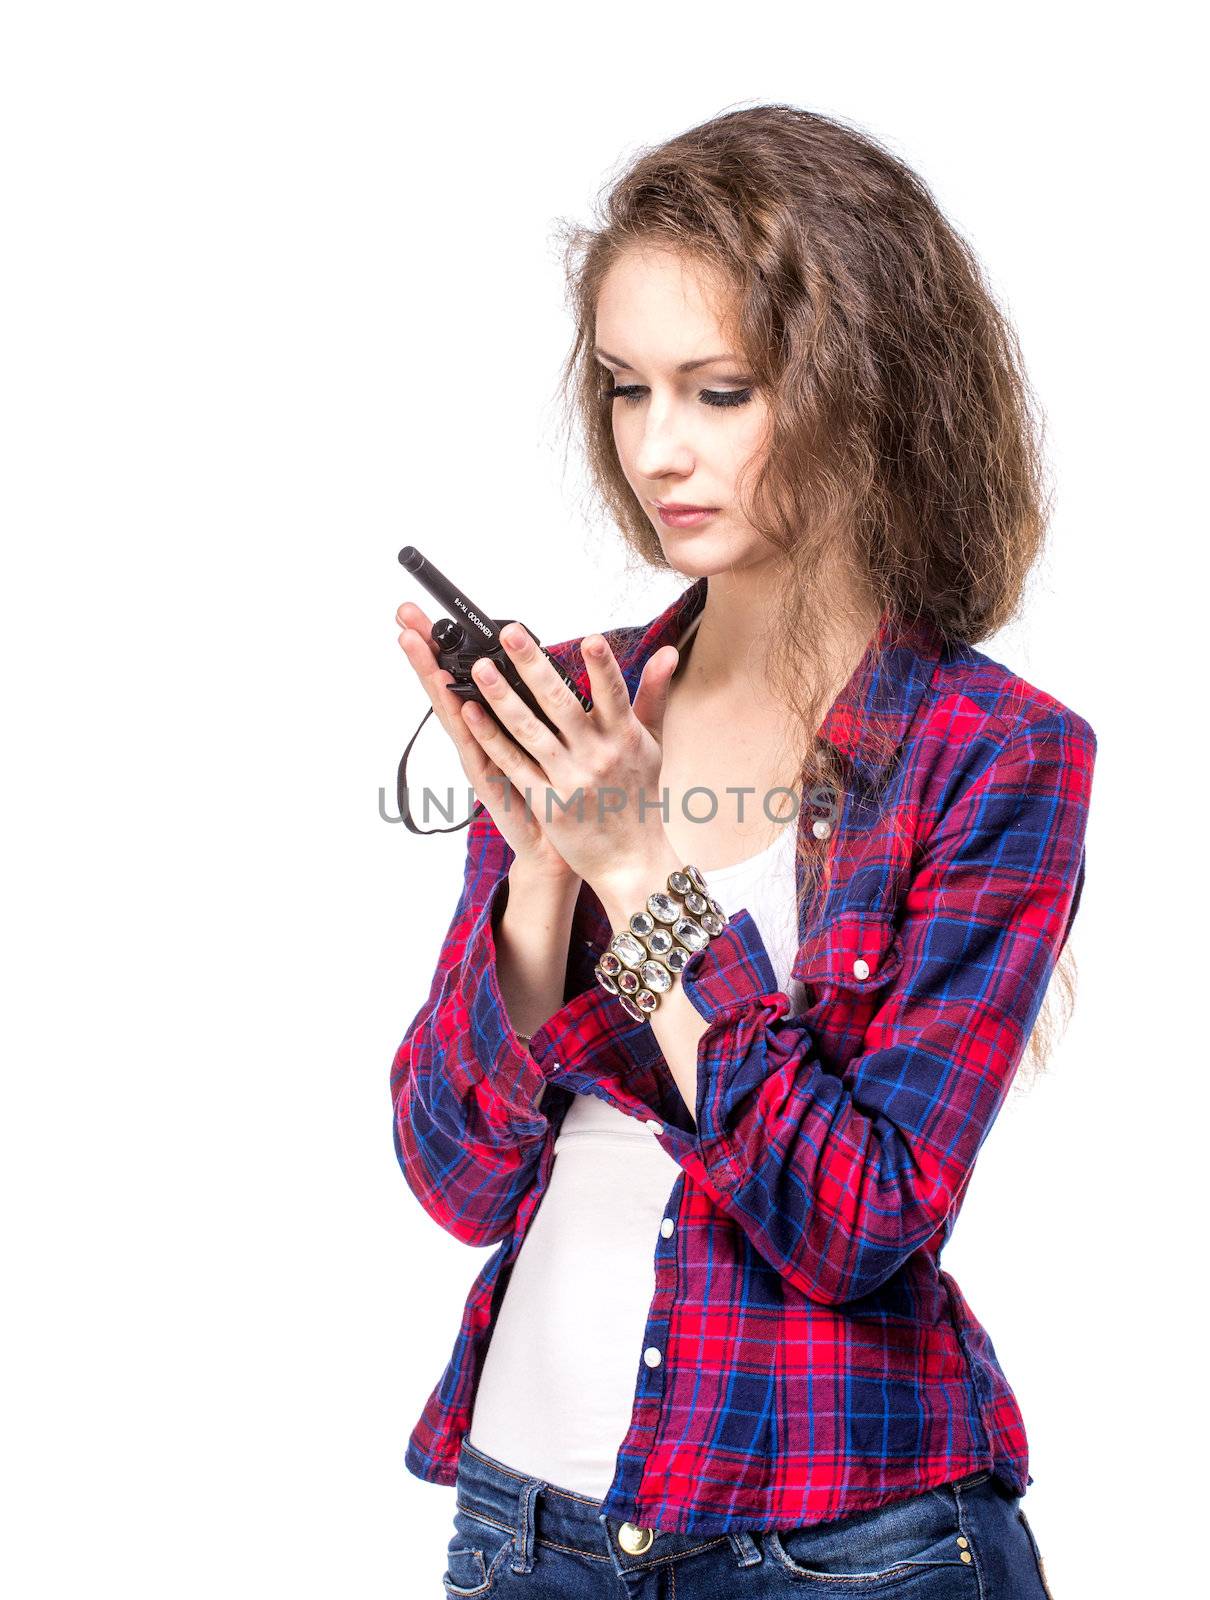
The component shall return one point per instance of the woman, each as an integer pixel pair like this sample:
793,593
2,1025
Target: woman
716,1335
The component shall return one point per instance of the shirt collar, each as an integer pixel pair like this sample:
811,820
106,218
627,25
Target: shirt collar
872,714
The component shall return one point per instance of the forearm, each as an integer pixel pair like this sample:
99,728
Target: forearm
532,938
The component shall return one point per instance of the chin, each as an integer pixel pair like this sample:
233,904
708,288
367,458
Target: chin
699,555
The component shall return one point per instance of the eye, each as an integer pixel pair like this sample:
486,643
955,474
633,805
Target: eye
726,397
712,397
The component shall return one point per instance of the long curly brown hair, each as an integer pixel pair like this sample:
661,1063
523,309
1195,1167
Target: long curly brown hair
905,447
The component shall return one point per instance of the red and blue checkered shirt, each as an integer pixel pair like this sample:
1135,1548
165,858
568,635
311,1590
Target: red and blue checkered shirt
815,1359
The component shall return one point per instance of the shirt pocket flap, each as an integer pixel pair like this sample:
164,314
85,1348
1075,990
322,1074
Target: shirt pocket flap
856,950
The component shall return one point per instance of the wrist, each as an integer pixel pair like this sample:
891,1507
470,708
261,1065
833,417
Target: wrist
538,884
625,890
656,929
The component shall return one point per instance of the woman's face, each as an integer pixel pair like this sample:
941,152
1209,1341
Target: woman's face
682,437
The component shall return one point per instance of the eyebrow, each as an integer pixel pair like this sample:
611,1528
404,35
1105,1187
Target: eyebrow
685,366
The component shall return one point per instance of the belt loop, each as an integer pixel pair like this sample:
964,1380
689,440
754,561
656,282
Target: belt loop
604,1519
747,1551
523,1537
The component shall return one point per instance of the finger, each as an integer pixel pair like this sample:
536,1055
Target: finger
435,681
487,780
537,739
477,763
651,696
497,747
509,808
410,615
610,695
423,658
547,686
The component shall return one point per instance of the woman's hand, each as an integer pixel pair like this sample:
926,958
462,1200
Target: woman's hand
602,768
535,853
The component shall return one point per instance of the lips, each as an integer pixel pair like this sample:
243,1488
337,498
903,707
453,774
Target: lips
684,516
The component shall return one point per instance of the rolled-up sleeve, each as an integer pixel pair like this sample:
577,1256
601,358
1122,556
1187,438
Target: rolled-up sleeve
465,1090
837,1180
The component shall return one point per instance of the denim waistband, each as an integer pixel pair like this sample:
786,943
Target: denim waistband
533,1509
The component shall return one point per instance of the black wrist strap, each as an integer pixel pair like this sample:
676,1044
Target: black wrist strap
401,789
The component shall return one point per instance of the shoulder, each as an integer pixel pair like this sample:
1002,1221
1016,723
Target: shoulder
971,683
979,716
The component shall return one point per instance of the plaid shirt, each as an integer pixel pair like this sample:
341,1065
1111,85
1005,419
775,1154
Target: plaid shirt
815,1360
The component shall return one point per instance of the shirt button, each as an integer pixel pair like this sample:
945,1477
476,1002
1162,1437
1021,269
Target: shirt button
656,1127
666,1227
821,829
652,1356
861,969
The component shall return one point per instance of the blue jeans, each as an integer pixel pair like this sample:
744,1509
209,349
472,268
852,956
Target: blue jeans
524,1539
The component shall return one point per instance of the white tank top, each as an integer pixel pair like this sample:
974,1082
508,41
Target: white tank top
557,1388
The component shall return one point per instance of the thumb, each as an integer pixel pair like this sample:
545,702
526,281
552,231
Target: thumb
651,696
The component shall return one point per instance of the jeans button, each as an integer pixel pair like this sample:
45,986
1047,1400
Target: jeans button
635,1540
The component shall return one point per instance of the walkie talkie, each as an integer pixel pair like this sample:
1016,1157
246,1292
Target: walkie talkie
469,635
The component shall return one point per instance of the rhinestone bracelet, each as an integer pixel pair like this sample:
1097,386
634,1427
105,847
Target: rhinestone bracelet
642,961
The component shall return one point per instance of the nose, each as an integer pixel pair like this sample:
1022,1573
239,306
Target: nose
663,449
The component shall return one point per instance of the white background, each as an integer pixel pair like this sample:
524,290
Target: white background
280,296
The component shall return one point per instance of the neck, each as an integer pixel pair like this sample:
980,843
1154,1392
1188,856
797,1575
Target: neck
726,658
